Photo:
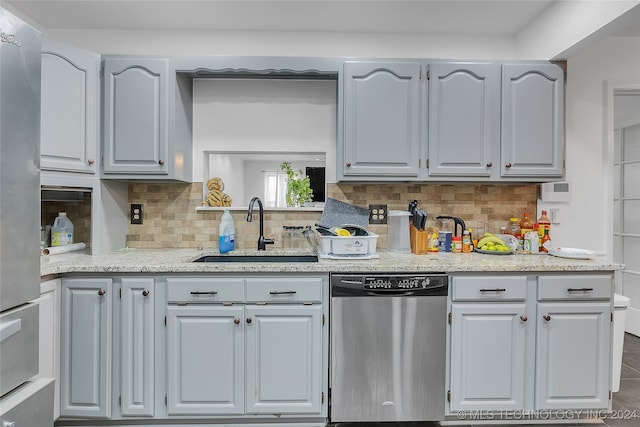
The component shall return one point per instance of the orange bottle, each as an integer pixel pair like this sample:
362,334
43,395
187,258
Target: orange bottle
544,223
526,224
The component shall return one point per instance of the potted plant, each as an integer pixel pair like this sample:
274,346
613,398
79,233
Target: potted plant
298,187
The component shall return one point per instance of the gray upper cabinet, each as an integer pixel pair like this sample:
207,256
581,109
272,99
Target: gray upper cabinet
532,120
147,115
464,119
381,120
136,113
69,108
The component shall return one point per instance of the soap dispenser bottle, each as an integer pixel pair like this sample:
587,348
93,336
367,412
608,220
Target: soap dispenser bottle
227,233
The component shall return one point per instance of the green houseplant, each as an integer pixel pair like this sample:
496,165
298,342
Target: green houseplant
298,188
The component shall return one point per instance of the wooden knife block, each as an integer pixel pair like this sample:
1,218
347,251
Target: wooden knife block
418,239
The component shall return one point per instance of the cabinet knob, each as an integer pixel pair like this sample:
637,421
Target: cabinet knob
161,162
101,292
90,161
145,293
236,321
508,165
348,164
546,317
248,319
524,318
489,164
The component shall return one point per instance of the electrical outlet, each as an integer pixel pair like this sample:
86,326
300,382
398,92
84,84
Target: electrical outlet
136,213
377,214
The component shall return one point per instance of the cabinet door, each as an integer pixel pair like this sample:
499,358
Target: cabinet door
69,108
136,116
137,357
488,356
205,360
49,337
464,118
381,119
85,343
572,357
532,132
284,354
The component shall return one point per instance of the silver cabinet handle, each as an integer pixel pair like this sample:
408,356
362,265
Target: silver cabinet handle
203,292
348,164
524,318
579,289
546,317
161,162
90,162
493,290
236,321
282,292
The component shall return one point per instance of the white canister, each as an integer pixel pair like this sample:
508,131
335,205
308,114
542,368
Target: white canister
531,242
398,231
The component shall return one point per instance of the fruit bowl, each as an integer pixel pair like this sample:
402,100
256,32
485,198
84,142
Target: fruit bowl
494,252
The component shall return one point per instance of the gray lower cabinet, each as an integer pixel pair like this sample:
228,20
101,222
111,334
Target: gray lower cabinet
136,346
573,321
532,134
69,108
85,345
530,342
488,343
283,359
246,346
382,121
464,119
205,360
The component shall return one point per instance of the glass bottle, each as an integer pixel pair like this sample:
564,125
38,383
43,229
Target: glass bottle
514,229
546,241
526,224
466,241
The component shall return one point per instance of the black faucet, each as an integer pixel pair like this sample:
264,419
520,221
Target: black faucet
262,242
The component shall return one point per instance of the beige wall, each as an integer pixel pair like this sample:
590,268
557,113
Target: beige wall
171,219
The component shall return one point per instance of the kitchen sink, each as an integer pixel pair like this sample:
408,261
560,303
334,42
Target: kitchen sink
258,258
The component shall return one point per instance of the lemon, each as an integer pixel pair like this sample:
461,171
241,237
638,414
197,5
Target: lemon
342,232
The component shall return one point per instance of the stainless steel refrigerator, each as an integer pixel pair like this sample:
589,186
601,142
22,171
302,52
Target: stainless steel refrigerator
20,226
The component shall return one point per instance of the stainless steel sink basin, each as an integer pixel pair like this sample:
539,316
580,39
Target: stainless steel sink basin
258,258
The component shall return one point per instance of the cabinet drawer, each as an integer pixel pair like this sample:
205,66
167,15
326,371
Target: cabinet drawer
203,290
18,346
284,290
489,288
29,405
575,287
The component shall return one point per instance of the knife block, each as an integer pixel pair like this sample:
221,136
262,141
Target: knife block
419,240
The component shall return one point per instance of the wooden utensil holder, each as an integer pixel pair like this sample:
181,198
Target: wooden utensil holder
418,239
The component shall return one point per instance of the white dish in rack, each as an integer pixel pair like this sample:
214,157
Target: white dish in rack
572,253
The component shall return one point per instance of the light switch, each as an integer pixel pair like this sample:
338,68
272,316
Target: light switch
555,215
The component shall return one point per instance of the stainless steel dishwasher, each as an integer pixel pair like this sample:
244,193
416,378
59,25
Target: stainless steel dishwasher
388,347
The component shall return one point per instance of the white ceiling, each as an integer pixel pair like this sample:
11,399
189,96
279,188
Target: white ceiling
393,16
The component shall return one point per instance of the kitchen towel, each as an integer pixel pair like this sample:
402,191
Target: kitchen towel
337,213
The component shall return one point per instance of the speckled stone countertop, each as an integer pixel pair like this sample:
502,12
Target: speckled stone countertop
180,261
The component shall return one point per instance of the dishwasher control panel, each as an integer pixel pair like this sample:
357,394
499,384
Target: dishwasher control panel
389,284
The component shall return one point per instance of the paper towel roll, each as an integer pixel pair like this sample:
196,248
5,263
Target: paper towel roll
54,250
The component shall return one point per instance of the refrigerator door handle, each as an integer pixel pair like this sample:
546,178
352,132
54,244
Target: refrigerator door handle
7,329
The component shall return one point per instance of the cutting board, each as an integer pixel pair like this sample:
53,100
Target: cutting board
338,213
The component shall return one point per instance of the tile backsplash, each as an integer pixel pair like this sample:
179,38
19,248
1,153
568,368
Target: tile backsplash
171,219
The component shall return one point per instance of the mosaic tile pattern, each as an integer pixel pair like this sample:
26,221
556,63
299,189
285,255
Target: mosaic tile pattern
171,219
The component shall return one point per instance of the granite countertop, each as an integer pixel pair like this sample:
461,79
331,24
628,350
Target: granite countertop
180,261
